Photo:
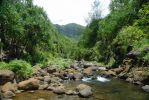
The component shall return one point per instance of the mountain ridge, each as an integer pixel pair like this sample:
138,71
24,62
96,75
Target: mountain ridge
71,30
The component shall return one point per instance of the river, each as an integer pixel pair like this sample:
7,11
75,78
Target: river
103,89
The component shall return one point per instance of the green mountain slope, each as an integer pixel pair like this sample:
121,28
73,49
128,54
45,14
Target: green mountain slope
71,30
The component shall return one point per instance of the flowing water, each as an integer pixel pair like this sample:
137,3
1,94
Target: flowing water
103,89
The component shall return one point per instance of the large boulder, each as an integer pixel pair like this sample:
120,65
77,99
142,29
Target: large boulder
146,88
9,87
8,94
31,84
84,90
6,76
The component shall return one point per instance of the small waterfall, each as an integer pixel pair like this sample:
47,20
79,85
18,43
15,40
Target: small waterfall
102,79
98,78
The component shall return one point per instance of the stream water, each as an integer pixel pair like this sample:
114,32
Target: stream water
103,89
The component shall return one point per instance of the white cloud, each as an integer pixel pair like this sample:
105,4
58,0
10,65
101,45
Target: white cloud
68,11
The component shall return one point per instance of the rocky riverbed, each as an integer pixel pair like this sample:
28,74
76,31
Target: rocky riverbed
48,78
53,80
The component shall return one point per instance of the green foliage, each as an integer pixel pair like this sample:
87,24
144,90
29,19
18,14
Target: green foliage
60,63
27,33
126,41
146,57
128,37
89,37
20,67
143,21
123,30
3,65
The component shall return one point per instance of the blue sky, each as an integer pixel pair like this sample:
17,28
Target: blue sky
70,11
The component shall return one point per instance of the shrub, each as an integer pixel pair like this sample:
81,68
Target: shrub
21,68
146,57
3,65
60,63
127,38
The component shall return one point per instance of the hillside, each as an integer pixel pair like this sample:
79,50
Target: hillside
71,30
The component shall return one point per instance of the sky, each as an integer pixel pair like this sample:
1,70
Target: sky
70,11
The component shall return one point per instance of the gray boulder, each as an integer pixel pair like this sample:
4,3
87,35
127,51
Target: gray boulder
6,76
85,91
146,88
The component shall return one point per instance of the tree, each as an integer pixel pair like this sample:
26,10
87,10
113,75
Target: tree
95,12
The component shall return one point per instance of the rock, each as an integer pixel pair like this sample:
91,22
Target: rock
6,76
102,68
85,93
43,73
70,92
51,88
138,83
35,69
40,78
18,91
43,87
70,70
59,90
127,68
69,76
146,49
138,76
78,75
118,70
133,54
88,71
8,94
47,79
86,65
31,84
146,88
40,99
123,75
56,80
56,74
9,87
109,73
51,69
84,90
130,80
